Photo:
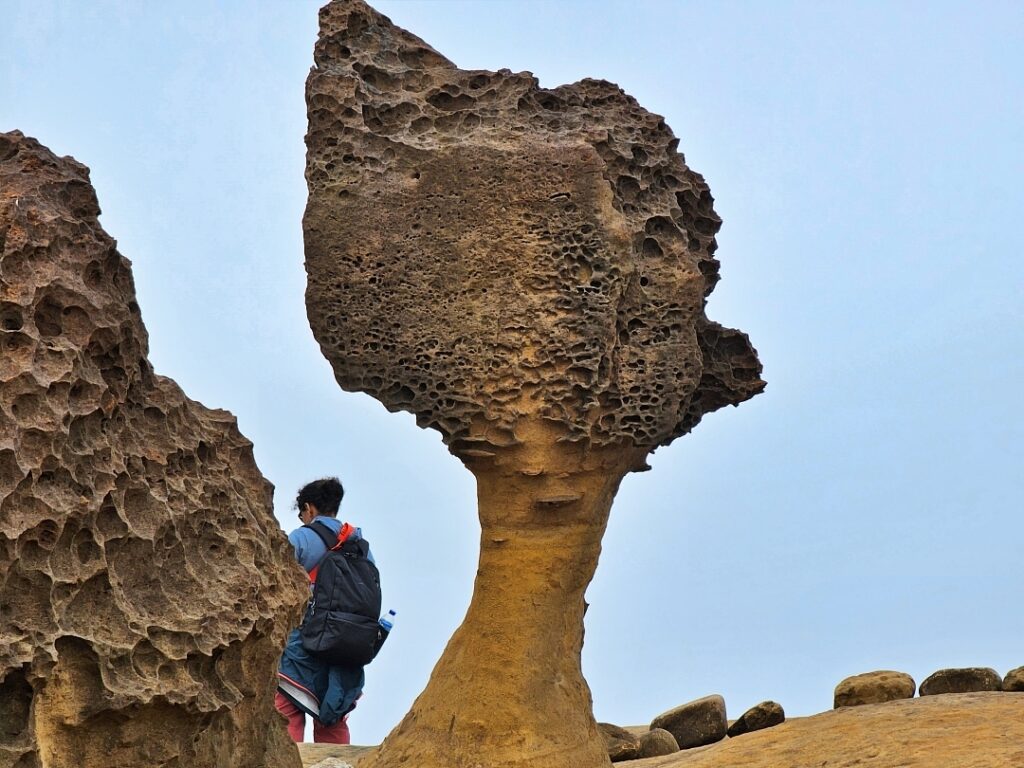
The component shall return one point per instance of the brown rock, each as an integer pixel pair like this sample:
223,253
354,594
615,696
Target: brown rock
657,742
1014,680
874,688
764,715
145,587
480,249
525,270
620,743
696,723
980,730
963,680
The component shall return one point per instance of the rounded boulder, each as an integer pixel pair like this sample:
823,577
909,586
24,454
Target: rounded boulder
696,723
874,688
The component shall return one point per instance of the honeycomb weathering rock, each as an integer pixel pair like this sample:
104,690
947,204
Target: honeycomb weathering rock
145,587
480,249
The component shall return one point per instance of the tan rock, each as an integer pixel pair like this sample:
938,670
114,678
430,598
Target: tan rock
620,743
962,680
874,688
980,730
1014,680
695,723
525,270
657,742
145,587
767,714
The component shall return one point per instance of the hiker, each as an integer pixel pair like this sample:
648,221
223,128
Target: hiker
307,682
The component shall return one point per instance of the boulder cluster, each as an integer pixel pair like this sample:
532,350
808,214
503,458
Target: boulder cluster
704,721
694,724
886,685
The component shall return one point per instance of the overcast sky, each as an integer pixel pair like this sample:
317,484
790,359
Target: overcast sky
864,513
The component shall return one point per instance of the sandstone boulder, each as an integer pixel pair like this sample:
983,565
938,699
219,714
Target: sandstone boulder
1014,680
145,586
621,744
696,723
874,688
657,742
760,716
962,680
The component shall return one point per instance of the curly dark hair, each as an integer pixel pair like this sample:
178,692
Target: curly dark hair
323,494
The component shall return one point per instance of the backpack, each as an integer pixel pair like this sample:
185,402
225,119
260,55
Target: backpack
341,623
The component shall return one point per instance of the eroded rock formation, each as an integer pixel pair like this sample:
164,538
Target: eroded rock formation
145,587
525,270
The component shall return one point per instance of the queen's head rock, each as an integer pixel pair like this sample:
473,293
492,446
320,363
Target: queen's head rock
145,587
524,269
484,252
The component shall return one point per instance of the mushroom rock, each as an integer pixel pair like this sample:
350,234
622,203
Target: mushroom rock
526,271
145,587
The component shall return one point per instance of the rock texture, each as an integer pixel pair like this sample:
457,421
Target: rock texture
657,742
962,680
480,249
620,743
525,270
696,723
979,730
1014,680
874,688
145,587
767,714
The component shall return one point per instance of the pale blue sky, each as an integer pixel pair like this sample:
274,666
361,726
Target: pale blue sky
867,158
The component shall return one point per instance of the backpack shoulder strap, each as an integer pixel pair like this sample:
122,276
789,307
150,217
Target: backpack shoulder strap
327,536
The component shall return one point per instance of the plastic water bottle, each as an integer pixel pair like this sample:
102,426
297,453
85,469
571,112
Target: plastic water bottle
387,621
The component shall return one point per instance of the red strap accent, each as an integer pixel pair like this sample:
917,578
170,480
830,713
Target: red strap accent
343,534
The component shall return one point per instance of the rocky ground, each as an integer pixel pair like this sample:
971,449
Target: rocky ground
965,730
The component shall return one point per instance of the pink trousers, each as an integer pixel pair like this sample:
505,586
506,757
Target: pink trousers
322,734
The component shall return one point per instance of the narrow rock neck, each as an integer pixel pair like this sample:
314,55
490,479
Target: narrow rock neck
508,690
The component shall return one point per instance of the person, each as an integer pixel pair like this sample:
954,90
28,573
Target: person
305,684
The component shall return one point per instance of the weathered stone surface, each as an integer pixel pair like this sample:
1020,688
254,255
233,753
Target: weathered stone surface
480,248
316,754
145,587
976,730
760,716
696,723
962,680
620,743
525,270
873,688
1014,680
657,742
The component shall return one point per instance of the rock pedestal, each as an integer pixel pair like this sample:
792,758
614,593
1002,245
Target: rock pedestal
145,587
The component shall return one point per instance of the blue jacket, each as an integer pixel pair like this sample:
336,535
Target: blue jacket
325,692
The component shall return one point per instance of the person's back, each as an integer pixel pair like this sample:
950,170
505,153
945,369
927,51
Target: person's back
306,683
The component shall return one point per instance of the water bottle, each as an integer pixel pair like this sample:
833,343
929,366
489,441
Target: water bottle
387,621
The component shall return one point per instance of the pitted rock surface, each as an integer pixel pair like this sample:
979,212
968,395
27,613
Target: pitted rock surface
145,587
480,248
